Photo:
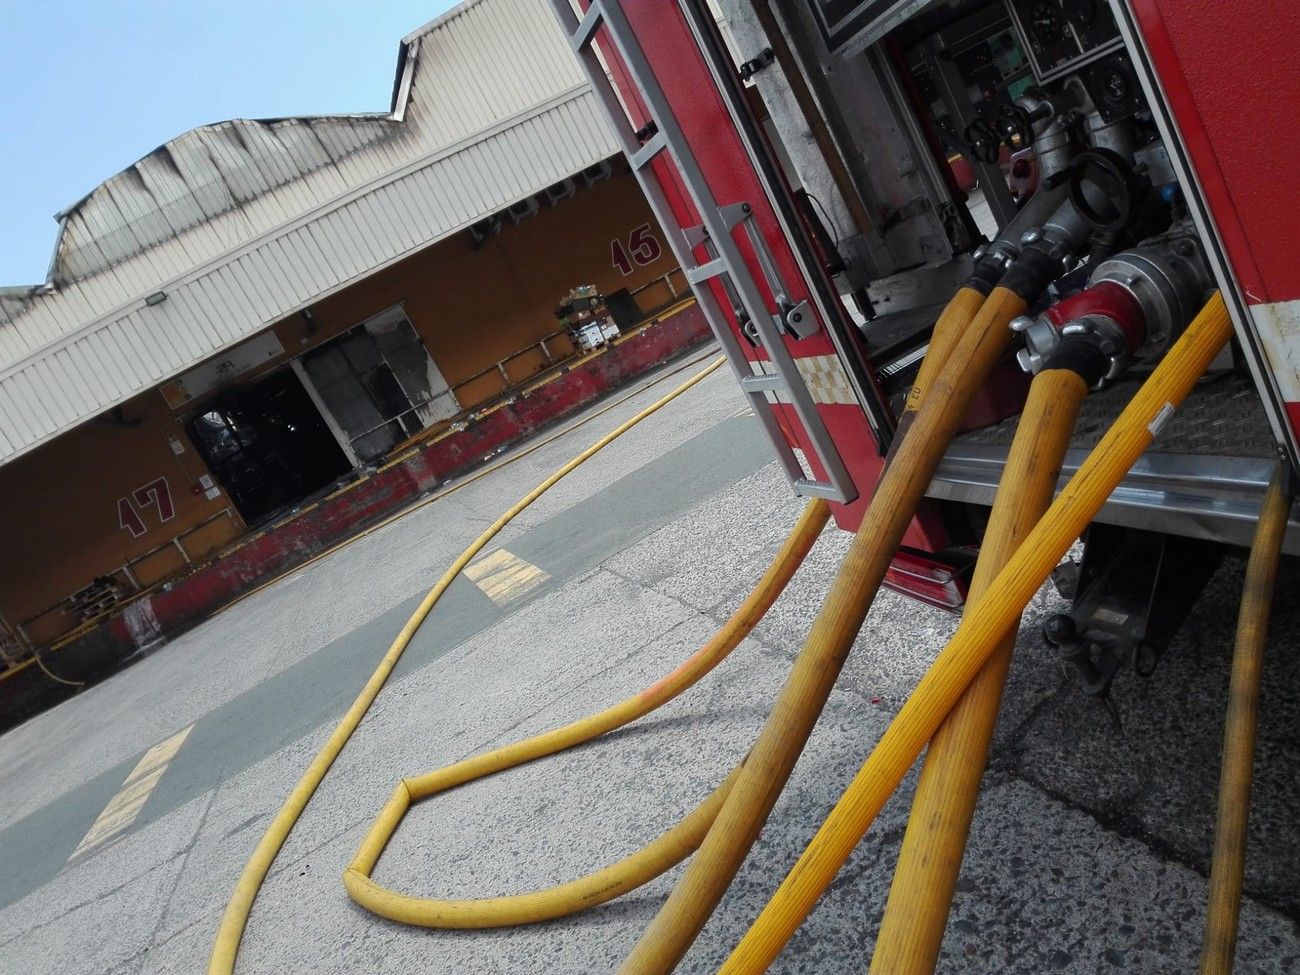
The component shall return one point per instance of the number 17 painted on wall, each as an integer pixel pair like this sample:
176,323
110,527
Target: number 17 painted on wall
130,509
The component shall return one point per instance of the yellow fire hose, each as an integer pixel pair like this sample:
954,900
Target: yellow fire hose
433,498
980,631
644,864
773,755
951,324
930,859
464,482
55,677
629,873
235,918
1227,866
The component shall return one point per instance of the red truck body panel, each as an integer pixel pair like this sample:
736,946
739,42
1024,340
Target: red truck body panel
683,74
1231,78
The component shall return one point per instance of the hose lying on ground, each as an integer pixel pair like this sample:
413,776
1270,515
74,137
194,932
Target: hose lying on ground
929,861
980,631
634,870
603,885
234,920
773,755
510,458
1227,866
639,868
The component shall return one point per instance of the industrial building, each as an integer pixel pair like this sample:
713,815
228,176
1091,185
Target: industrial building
266,334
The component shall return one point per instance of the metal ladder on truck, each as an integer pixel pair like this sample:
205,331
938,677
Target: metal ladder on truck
725,262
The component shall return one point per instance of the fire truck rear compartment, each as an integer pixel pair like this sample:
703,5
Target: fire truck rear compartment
984,68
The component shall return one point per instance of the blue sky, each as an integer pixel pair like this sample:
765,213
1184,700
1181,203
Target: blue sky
89,86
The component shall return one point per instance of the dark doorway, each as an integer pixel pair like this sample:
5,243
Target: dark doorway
267,445
378,383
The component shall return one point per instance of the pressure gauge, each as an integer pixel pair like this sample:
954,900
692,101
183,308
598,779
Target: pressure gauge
1061,36
1116,86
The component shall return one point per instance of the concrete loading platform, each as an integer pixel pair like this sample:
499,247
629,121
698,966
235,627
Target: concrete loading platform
127,812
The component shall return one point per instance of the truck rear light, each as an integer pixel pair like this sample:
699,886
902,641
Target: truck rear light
928,580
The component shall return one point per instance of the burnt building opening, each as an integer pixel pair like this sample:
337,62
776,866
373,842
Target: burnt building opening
268,445
378,383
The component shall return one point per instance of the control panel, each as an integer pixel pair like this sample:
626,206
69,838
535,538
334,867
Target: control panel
1063,35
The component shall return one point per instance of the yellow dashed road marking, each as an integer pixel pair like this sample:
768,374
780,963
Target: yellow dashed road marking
505,577
124,807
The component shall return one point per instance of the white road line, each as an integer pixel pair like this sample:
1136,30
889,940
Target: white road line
504,577
124,807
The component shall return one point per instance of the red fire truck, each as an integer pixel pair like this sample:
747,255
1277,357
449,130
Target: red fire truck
800,156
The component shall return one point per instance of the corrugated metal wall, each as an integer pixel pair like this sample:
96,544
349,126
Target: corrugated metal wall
234,225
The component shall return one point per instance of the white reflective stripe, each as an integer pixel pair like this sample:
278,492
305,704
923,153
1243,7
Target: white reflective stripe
1278,327
825,378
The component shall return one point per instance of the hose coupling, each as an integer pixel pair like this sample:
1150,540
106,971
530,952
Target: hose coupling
1168,277
1093,347
1049,121
1048,251
1137,303
991,262
1045,257
1094,333
1053,247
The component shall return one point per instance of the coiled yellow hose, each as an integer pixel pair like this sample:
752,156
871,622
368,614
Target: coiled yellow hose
642,865
619,878
235,918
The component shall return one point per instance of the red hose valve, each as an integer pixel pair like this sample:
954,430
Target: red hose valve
1106,312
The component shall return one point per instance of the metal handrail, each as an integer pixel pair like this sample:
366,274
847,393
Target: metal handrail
126,570
500,365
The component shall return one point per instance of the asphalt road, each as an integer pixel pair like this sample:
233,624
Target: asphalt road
127,812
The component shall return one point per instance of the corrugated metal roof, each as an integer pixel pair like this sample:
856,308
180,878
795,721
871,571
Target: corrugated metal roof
198,176
242,223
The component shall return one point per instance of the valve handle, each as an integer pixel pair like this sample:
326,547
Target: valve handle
1015,122
982,140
